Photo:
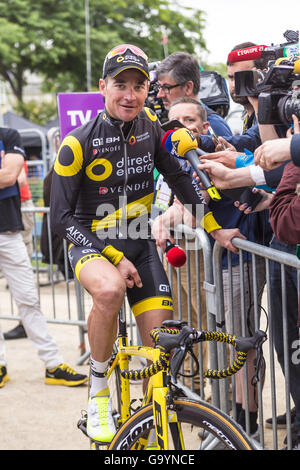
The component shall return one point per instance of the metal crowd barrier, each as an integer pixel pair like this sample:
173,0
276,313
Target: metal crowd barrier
213,284
61,297
63,301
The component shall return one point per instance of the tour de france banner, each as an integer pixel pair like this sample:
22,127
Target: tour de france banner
75,109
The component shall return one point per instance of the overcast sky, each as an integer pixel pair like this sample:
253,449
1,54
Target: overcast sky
230,22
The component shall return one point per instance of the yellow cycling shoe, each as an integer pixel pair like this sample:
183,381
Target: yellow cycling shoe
100,423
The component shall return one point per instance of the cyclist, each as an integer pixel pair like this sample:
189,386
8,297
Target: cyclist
101,197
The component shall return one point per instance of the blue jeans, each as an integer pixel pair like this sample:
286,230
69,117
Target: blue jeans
292,317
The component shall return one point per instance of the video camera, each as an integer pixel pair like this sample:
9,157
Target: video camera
152,101
278,88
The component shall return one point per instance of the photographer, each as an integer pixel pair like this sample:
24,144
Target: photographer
179,75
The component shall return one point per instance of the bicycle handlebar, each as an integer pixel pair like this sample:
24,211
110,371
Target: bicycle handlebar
241,344
167,339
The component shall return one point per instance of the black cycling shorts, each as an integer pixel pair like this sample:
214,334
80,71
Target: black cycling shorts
156,291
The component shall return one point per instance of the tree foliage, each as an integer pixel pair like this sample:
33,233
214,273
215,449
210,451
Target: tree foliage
48,37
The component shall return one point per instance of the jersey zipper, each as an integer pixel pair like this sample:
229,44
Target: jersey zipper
124,201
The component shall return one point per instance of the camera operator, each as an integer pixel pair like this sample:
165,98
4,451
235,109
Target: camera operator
253,132
230,156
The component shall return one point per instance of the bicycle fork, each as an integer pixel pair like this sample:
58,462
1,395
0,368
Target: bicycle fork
165,418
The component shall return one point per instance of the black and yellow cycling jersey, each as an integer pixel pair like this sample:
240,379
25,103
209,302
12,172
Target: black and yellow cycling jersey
155,292
103,178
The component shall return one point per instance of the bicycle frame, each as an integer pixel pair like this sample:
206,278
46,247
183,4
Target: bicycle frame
157,389
159,393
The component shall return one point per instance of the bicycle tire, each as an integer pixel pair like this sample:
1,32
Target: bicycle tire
220,431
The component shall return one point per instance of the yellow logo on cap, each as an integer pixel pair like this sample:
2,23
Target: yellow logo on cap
120,59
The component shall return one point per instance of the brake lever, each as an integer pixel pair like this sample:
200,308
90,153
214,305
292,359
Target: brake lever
259,357
177,360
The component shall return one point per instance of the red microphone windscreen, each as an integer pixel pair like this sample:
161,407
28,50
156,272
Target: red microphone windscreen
249,53
176,256
163,141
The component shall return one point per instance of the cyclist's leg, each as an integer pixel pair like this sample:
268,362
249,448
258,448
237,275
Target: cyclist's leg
107,289
152,304
150,319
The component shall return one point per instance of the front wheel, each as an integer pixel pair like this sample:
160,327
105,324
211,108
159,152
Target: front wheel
199,427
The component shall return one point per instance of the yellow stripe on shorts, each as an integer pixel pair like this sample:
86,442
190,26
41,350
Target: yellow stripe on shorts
152,303
84,260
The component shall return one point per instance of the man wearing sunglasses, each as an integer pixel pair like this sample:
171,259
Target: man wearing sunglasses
102,188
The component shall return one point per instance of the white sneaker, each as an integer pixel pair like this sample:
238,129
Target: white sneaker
100,423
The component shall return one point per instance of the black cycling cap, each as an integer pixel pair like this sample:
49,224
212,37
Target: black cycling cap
123,57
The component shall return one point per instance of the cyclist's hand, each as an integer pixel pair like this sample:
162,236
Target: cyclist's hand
129,273
161,233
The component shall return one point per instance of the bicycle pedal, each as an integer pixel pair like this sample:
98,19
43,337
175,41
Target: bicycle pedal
132,409
81,424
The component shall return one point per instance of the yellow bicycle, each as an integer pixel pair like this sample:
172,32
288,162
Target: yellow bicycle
167,419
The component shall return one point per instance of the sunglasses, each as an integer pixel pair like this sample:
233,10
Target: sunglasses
123,48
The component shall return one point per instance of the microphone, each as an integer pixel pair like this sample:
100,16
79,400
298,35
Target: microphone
249,53
166,141
184,145
175,255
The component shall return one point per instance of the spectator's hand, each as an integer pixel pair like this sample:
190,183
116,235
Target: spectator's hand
2,158
261,206
273,153
223,145
216,171
129,273
226,157
224,237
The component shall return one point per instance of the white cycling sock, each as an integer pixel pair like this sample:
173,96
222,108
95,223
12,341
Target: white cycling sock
98,381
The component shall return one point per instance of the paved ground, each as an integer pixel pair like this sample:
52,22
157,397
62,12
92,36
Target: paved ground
41,417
